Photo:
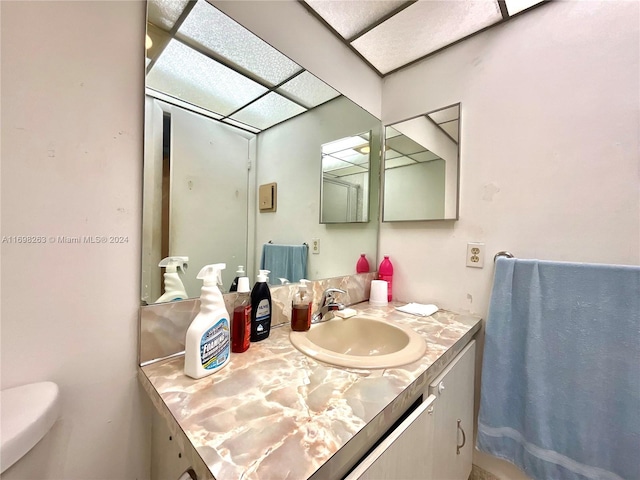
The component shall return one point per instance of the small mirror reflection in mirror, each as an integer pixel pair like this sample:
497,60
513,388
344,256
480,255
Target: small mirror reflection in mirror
421,167
345,180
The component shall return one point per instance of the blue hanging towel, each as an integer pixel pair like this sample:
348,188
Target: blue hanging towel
284,261
560,393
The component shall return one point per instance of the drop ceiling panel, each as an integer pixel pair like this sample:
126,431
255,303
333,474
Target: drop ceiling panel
216,32
425,156
267,111
349,18
398,162
352,170
451,128
423,28
516,6
164,13
342,144
331,163
190,76
308,90
404,145
445,115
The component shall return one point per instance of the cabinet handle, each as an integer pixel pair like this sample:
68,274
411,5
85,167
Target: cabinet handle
464,438
440,387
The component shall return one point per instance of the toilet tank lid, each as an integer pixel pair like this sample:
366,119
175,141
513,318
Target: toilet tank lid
27,413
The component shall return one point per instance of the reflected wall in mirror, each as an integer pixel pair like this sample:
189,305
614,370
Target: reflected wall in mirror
421,167
344,193
225,112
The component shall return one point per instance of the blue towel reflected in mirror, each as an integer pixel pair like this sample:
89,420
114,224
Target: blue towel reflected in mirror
284,261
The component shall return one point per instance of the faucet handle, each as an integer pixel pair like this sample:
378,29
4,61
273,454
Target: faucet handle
328,294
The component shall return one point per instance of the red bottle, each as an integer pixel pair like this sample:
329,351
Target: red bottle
385,272
241,322
363,264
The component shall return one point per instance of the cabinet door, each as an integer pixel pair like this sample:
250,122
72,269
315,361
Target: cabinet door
453,437
406,453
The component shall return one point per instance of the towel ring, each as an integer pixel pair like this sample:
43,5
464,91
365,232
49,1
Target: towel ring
503,253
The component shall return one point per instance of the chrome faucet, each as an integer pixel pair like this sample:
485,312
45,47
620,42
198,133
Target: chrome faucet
327,304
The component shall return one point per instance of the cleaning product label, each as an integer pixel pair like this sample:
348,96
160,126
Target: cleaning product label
263,317
214,345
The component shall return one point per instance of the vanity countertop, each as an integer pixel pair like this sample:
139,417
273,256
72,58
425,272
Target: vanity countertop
274,413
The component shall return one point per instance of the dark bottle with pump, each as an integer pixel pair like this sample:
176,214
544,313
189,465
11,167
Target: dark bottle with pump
260,308
241,323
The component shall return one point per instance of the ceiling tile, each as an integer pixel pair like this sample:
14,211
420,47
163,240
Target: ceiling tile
308,89
267,111
422,28
398,162
164,13
213,30
190,76
343,144
241,125
352,170
446,114
515,6
349,18
404,145
451,128
425,156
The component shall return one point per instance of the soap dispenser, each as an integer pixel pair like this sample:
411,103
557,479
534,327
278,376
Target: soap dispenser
207,344
301,308
239,273
260,308
173,286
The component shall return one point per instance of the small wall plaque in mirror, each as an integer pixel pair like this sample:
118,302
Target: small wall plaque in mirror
421,167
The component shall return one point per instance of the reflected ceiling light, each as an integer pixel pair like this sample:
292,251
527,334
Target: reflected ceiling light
148,43
363,149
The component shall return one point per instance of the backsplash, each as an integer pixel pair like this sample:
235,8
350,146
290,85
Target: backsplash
163,326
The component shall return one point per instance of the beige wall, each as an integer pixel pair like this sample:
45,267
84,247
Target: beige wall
72,123
549,150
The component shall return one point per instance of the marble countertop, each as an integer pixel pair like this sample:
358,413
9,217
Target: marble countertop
274,413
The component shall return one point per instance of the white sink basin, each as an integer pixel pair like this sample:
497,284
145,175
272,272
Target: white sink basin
28,413
360,342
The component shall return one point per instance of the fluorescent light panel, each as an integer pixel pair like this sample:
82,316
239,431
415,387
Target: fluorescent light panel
308,90
216,32
164,13
349,18
423,28
188,75
267,111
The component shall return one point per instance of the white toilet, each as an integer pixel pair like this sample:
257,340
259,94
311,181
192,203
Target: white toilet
27,413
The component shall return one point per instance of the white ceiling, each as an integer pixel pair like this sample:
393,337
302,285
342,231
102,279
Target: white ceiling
391,34
205,61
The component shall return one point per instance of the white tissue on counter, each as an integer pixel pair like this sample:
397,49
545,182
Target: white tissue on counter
418,309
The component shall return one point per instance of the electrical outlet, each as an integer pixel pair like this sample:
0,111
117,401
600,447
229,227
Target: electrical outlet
315,245
475,255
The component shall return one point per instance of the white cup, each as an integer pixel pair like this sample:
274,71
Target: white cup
379,293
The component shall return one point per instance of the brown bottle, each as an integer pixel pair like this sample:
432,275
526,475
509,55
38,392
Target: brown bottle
301,309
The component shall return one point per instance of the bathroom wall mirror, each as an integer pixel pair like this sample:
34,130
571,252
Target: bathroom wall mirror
225,113
421,167
344,193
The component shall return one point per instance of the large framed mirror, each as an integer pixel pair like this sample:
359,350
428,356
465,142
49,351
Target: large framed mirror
224,114
421,167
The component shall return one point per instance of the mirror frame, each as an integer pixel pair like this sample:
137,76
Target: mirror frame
383,168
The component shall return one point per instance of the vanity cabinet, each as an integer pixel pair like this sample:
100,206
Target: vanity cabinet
434,441
453,441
